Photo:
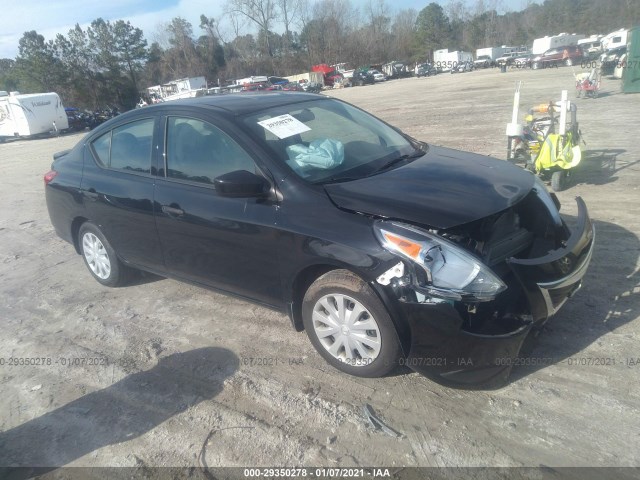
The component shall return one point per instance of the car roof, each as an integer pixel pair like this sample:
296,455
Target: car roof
241,103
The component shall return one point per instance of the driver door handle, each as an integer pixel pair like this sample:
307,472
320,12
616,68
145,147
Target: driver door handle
171,211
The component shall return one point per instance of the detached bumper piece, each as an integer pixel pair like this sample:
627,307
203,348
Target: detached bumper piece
445,347
550,280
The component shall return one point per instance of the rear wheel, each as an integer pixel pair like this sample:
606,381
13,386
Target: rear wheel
349,326
100,258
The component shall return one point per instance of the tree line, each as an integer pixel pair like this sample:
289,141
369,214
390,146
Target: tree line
111,63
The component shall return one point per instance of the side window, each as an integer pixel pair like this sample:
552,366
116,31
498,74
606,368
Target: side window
199,152
127,147
131,146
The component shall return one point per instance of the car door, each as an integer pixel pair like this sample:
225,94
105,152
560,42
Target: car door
117,190
225,242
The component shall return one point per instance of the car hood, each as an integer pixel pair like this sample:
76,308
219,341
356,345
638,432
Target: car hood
442,189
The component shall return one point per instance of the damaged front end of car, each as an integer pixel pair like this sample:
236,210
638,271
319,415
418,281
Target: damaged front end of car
472,293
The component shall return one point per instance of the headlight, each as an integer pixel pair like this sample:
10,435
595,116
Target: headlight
451,272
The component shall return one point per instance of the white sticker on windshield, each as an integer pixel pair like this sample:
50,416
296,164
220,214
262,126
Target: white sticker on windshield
284,126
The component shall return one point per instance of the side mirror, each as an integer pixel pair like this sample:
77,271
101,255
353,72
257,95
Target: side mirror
241,183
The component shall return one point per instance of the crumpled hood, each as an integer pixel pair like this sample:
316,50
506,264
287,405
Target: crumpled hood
442,189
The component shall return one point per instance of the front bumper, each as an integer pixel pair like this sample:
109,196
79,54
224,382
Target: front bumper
442,343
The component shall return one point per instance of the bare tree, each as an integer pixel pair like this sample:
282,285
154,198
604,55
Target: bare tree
260,12
289,11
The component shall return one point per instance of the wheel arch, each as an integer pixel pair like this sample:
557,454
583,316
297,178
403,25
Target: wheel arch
75,230
311,273
299,287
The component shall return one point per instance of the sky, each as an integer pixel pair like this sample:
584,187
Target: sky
51,17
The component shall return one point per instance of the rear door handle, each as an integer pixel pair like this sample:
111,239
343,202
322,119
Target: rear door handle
171,211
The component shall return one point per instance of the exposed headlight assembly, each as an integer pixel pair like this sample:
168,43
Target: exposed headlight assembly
449,271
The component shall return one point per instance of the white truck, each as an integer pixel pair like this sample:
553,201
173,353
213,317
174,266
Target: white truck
345,69
591,46
31,114
492,52
541,45
444,60
178,89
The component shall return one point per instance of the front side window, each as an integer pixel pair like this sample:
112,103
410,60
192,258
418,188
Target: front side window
198,151
327,140
127,147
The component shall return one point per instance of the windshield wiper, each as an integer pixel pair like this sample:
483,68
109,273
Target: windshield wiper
337,179
402,158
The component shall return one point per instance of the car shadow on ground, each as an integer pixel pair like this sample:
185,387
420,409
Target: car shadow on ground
119,413
609,299
142,278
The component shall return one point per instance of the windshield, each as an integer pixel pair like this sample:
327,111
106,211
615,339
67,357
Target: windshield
327,140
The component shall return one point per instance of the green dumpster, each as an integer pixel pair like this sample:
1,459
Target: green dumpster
631,72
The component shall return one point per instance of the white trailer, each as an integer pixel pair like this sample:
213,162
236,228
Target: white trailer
492,52
445,60
541,45
31,114
312,77
615,39
178,89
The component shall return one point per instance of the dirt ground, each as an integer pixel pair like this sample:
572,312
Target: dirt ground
166,374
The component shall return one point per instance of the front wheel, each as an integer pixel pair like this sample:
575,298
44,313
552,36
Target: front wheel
558,180
349,326
100,258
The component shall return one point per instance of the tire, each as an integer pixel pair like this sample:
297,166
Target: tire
329,304
558,180
100,258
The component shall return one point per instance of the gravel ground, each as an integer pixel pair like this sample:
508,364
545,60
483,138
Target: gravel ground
165,367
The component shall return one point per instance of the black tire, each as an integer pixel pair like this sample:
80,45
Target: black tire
343,282
119,274
558,180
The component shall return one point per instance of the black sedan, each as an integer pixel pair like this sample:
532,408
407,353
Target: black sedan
384,249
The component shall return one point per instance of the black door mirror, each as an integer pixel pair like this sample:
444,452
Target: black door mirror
241,183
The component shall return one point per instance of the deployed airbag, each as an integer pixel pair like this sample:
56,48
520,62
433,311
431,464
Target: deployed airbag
321,153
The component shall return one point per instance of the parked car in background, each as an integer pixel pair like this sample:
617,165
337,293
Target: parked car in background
462,67
361,78
377,76
610,59
522,61
567,55
292,87
483,61
311,87
384,249
506,59
426,70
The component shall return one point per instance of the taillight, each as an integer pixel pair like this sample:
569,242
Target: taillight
50,175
